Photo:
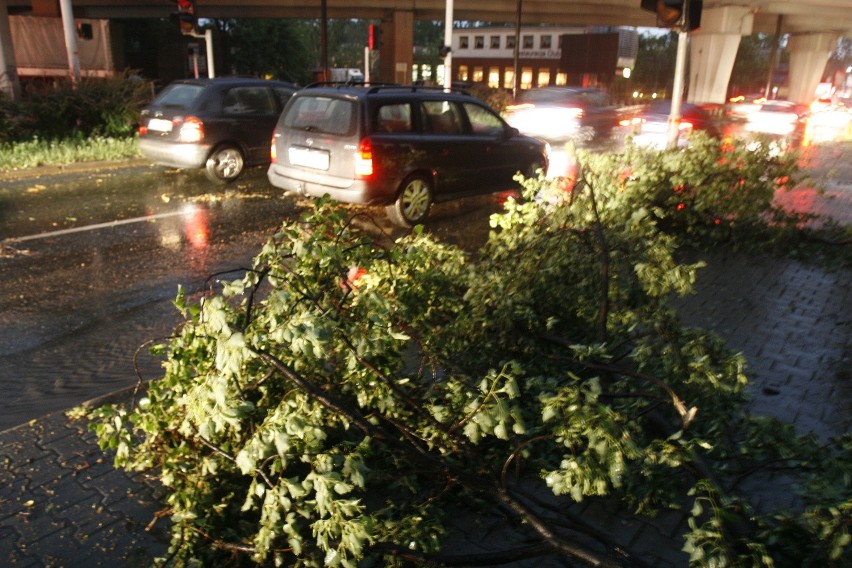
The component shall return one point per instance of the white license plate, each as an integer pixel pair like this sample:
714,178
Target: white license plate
160,125
308,158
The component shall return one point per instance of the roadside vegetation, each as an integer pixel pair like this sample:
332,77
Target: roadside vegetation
56,123
352,402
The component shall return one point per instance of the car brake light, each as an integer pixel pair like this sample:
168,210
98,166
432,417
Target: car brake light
631,121
364,158
191,131
143,130
273,151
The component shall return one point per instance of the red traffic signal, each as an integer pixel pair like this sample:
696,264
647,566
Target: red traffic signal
371,37
185,17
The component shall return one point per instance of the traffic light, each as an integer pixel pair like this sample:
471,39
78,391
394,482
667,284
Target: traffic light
374,36
185,17
682,14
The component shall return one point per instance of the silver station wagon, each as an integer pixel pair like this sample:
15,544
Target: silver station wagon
404,147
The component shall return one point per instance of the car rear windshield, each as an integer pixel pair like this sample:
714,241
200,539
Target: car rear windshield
328,115
179,95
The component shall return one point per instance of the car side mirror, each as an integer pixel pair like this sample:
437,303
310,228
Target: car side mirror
512,132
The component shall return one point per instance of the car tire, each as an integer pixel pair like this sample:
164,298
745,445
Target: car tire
224,164
412,203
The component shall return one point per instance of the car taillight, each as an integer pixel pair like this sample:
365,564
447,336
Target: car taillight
192,130
364,158
631,121
143,130
273,151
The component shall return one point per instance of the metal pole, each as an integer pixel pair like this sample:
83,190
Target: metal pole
9,82
208,42
367,64
516,82
448,41
773,56
70,40
324,39
677,88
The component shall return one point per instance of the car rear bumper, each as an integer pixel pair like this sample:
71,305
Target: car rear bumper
346,191
174,154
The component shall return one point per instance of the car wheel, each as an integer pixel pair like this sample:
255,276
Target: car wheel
413,202
225,164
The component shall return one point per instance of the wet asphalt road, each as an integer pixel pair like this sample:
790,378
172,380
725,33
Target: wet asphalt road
91,261
98,259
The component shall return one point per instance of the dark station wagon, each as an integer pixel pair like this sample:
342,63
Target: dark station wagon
404,147
221,125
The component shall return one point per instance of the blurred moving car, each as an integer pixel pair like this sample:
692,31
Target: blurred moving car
221,125
401,146
740,106
778,118
650,126
563,113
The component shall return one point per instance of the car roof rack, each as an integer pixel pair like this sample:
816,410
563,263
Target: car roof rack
415,88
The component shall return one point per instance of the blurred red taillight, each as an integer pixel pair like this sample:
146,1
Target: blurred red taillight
143,130
192,130
364,158
273,151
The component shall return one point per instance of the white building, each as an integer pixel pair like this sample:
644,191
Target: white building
486,55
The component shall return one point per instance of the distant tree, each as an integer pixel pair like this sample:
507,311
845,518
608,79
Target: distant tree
655,63
274,48
751,67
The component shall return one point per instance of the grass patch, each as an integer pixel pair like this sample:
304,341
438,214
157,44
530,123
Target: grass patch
36,152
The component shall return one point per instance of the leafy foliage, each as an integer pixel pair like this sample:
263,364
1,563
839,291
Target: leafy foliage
62,111
343,402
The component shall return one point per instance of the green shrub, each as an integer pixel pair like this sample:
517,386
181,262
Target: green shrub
343,403
60,110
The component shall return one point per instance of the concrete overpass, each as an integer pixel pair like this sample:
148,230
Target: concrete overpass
814,26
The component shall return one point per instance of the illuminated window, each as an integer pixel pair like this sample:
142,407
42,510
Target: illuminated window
478,42
478,75
526,78
463,42
510,42
545,41
543,77
528,42
463,73
509,79
494,77
562,78
495,42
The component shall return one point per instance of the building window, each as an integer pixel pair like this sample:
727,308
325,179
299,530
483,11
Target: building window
562,79
495,42
463,73
509,79
478,42
510,42
526,78
528,42
545,41
543,77
478,75
494,77
463,42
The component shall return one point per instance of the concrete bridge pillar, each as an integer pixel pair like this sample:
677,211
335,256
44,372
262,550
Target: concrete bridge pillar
713,49
397,56
809,53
